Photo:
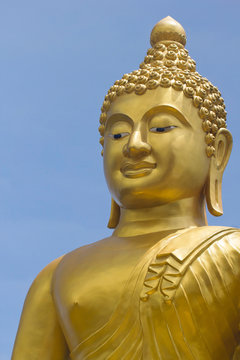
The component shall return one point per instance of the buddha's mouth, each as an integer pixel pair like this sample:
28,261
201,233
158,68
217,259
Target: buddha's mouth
136,170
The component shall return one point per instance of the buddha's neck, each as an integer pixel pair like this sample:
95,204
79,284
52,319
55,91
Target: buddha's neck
180,214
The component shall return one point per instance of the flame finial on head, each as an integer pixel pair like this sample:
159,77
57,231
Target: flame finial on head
168,29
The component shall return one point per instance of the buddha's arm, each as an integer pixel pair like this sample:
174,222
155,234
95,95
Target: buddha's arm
39,335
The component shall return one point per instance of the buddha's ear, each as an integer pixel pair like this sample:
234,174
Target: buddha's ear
114,215
223,147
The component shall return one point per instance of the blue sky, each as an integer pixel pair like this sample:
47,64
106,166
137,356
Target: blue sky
58,59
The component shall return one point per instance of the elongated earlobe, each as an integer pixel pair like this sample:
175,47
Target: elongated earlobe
214,194
223,147
114,215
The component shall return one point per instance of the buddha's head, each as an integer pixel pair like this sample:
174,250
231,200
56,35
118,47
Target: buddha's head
163,130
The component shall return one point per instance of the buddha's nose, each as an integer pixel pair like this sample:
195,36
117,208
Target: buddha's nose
136,146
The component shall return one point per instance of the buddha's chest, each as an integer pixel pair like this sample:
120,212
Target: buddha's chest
88,292
191,310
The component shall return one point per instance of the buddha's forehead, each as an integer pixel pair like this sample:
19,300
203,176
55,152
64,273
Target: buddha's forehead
137,106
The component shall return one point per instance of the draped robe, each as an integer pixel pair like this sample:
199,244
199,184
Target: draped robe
181,301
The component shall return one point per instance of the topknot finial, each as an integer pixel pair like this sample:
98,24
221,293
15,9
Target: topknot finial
168,29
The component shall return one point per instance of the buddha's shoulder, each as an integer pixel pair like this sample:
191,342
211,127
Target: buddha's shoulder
216,259
40,290
200,240
212,245
226,237
81,258
225,241
47,273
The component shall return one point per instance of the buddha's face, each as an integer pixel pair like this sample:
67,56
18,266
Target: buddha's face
154,149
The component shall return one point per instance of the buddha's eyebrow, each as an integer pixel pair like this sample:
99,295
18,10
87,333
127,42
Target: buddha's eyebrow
166,109
117,117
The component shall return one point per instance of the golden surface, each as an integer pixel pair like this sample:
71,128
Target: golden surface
164,285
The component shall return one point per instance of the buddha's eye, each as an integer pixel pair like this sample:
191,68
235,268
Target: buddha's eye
118,135
162,129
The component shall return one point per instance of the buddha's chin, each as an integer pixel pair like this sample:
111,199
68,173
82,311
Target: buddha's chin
129,202
137,197
146,193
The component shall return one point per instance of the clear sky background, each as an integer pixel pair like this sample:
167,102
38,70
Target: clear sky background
58,59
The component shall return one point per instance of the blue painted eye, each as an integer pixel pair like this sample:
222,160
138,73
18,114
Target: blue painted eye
162,129
118,136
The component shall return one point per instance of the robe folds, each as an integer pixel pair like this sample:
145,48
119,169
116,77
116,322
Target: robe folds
181,302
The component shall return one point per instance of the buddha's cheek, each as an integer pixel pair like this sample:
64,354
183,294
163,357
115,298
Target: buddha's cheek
112,160
190,164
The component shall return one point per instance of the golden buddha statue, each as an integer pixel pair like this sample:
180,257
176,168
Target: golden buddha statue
164,285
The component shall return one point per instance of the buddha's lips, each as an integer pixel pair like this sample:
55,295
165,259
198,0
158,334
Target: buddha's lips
139,169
